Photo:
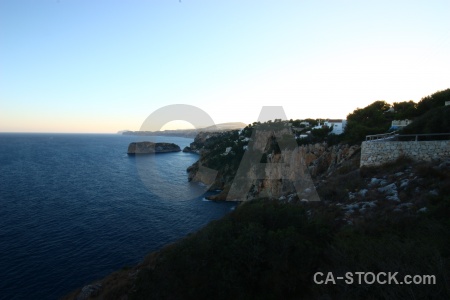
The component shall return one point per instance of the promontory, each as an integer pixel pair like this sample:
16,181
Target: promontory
150,148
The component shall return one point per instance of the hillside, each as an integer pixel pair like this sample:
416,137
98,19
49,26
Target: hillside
436,120
392,218
244,159
429,115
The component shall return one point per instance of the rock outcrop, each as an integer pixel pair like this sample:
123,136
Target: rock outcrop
294,167
322,159
356,200
89,291
151,148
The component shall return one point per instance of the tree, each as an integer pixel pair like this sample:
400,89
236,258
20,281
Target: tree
312,122
372,119
435,100
436,120
321,133
405,110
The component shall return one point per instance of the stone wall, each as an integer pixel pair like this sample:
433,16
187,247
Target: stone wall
374,153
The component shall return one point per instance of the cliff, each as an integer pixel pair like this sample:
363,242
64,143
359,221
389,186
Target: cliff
390,218
284,170
204,139
150,148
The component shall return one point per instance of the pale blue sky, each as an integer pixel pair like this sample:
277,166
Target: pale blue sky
104,66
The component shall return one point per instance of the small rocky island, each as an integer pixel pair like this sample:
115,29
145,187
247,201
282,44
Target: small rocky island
150,148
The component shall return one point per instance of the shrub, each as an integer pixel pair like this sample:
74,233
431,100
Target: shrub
436,120
264,250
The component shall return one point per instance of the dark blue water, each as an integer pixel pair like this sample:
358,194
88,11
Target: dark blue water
74,208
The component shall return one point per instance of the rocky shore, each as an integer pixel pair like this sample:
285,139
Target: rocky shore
368,218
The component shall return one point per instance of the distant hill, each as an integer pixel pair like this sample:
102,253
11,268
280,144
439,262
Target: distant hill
188,132
225,126
122,131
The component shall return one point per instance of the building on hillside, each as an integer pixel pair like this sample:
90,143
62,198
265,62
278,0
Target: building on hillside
391,109
399,124
305,123
338,125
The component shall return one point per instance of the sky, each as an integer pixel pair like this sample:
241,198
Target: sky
94,66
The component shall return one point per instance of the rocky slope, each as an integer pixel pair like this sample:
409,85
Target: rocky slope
203,140
387,218
288,169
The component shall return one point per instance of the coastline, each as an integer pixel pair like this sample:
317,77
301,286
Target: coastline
321,235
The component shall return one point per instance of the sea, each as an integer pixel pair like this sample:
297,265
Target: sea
75,208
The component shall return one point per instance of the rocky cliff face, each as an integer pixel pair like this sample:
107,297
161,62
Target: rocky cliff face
404,201
322,159
150,148
361,212
266,165
203,140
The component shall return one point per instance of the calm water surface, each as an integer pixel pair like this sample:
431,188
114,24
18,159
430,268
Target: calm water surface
74,208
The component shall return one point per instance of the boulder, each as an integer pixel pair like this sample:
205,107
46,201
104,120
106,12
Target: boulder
422,210
434,192
89,291
377,182
191,150
404,183
363,192
390,191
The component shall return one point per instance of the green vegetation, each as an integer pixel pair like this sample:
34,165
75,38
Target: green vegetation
321,133
435,100
263,250
215,157
405,110
429,116
267,249
372,119
214,153
270,250
436,120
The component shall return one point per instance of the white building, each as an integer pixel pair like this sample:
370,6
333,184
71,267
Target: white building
398,124
405,122
305,123
338,125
